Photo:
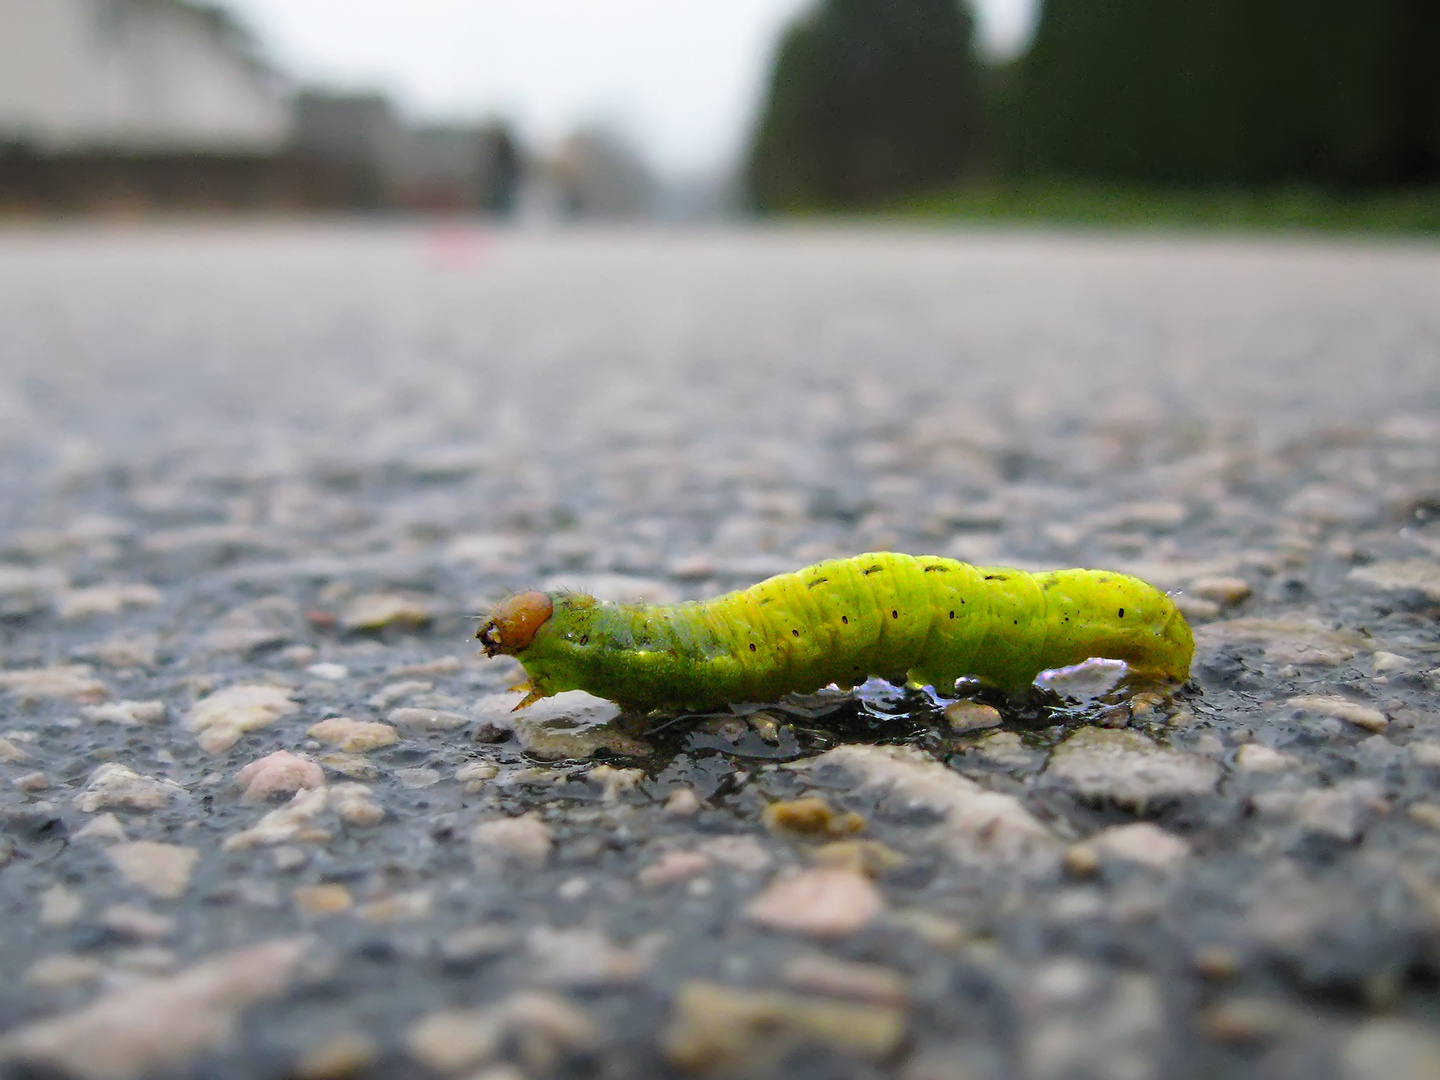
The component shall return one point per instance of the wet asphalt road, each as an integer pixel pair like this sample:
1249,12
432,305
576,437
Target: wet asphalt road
255,484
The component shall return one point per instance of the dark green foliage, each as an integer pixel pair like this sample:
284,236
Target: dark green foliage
870,99
1331,92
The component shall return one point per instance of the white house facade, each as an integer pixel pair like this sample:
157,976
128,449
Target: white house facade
147,77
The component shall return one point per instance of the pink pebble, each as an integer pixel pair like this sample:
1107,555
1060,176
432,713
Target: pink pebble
674,866
823,902
280,773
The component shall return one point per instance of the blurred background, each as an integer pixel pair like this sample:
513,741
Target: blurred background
1173,111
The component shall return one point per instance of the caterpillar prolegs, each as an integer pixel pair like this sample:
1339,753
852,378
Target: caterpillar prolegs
923,618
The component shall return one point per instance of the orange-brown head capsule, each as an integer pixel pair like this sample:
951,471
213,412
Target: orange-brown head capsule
514,623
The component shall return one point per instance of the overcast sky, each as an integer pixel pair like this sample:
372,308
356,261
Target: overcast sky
681,77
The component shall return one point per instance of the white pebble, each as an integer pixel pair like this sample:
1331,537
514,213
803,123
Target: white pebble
221,719
1257,757
116,785
130,713
526,837
1362,716
162,870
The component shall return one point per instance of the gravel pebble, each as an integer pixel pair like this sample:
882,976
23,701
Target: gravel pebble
74,682
824,903
743,853
682,802
871,983
280,773
1427,814
674,866
1341,811
337,1056
417,778
102,828
527,838
1425,752
402,907
1393,1049
59,907
1387,663
585,957
613,782
290,822
162,870
1138,842
1224,591
733,1031
967,716
160,1024
1352,712
1402,575
326,899
118,786
1246,1021
570,726
131,713
472,777
61,971
354,736
1079,1022
31,781
356,804
1128,769
426,719
25,591
74,604
128,650
1285,640
811,816
223,718
137,923
377,611
388,695
1258,758
455,1039
979,825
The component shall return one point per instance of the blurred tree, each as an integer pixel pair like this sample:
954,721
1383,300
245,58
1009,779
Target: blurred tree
870,99
1333,92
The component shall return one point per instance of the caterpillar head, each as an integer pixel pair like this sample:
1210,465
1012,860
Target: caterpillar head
513,623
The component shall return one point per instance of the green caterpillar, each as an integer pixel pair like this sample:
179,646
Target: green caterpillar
926,619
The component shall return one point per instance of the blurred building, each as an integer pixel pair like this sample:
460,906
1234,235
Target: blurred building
135,101
355,151
170,104
598,174
347,146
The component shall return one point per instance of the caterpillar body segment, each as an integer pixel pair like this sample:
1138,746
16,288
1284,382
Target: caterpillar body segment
923,618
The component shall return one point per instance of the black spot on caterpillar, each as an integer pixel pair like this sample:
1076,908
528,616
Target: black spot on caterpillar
706,653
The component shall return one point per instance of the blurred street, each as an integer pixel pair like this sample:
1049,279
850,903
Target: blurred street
279,468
